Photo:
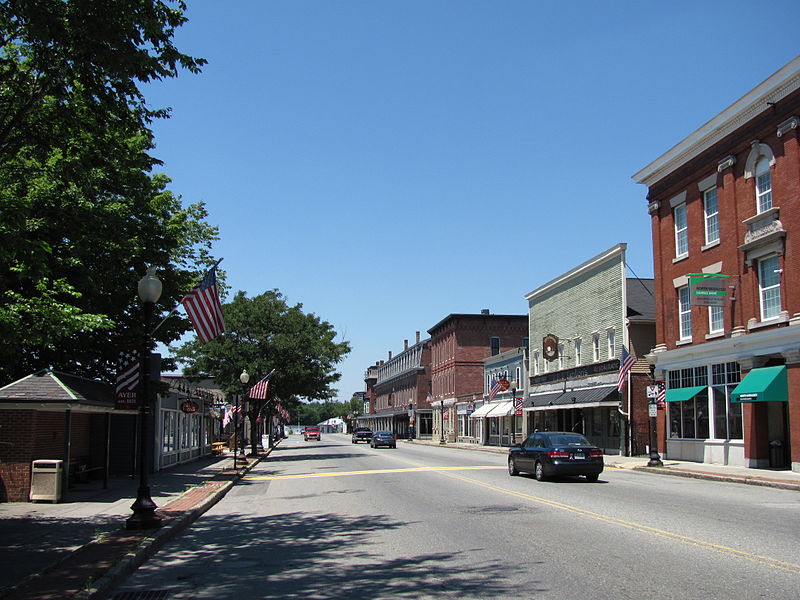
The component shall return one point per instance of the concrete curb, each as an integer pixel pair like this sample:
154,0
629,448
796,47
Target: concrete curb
150,545
784,485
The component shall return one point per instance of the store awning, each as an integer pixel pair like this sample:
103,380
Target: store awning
501,409
542,399
587,397
767,384
681,394
482,411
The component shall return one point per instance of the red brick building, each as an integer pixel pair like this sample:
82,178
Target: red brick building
459,343
728,338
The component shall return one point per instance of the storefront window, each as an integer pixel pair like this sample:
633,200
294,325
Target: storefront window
727,415
710,413
169,433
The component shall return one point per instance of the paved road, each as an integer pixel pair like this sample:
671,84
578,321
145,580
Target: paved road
332,520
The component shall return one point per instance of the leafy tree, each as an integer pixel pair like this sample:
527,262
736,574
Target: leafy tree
81,212
265,333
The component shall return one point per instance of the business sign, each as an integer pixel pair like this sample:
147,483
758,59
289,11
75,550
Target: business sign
517,407
708,289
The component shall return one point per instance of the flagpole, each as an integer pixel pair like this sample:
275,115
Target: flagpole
172,312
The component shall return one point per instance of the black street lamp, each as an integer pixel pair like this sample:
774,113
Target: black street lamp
513,411
655,459
244,378
144,509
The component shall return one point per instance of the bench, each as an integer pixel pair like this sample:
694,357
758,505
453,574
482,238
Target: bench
218,447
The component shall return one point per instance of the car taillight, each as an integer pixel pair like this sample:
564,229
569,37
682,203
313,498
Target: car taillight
558,454
595,453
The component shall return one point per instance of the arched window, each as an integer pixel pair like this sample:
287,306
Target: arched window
763,185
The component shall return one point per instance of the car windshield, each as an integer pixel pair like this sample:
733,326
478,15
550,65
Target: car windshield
363,429
568,439
312,428
383,433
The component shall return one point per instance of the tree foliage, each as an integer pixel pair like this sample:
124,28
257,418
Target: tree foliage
81,211
264,333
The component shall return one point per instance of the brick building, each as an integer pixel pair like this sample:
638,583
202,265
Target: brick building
722,219
459,343
401,388
579,323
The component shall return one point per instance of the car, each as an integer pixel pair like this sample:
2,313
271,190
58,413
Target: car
553,453
383,438
311,433
361,434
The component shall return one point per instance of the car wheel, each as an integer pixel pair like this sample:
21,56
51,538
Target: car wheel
512,467
539,471
591,478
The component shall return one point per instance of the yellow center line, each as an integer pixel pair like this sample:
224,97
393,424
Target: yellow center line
370,472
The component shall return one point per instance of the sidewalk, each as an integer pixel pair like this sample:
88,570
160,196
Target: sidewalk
79,548
778,478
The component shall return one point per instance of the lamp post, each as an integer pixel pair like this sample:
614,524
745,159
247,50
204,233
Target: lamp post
442,439
514,411
655,459
144,509
244,378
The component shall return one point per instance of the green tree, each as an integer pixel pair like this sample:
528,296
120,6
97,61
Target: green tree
264,334
81,212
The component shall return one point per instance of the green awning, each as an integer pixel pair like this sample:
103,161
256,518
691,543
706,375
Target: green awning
767,384
681,394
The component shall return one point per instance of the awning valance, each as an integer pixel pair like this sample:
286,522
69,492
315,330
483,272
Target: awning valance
501,409
482,411
681,394
767,384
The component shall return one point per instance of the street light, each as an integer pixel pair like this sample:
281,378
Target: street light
513,411
144,509
244,378
655,459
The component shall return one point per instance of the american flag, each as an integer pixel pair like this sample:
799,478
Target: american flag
626,361
128,369
662,393
229,415
496,388
259,390
204,309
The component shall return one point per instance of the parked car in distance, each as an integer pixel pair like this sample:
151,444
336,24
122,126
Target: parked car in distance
383,438
362,434
553,453
311,433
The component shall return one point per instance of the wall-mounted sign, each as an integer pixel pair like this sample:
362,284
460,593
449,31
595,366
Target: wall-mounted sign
708,289
550,347
189,406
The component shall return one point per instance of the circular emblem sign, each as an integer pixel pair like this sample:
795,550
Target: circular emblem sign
550,347
504,384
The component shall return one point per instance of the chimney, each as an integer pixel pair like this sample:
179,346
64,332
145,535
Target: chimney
390,355
405,345
418,337
380,363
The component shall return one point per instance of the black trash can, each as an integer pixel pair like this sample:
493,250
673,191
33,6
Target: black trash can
776,454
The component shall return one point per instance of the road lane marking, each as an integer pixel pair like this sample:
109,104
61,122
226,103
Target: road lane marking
370,472
756,558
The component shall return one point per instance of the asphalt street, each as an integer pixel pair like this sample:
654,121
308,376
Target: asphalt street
331,519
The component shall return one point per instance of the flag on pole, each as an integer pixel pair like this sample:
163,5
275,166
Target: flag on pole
229,415
204,309
496,388
127,383
259,390
626,361
662,394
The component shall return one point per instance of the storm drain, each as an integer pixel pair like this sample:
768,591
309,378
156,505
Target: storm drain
143,595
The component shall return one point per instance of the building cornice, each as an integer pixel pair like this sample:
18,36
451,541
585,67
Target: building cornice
759,99
613,252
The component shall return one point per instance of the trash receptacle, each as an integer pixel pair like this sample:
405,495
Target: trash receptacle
776,454
46,477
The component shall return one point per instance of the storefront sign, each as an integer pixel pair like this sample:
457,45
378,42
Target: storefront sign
189,406
550,347
708,289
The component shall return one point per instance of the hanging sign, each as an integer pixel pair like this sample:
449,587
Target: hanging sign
708,289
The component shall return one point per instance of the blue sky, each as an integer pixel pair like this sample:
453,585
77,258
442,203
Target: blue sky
388,163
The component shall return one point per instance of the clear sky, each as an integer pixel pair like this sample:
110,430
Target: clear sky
387,163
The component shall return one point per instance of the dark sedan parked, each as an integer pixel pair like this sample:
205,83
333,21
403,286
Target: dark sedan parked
383,438
556,453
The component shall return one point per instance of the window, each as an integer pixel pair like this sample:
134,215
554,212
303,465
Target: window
535,362
716,319
763,185
727,414
494,342
684,313
595,347
689,419
709,414
561,356
681,231
769,286
611,338
518,378
711,211
577,351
